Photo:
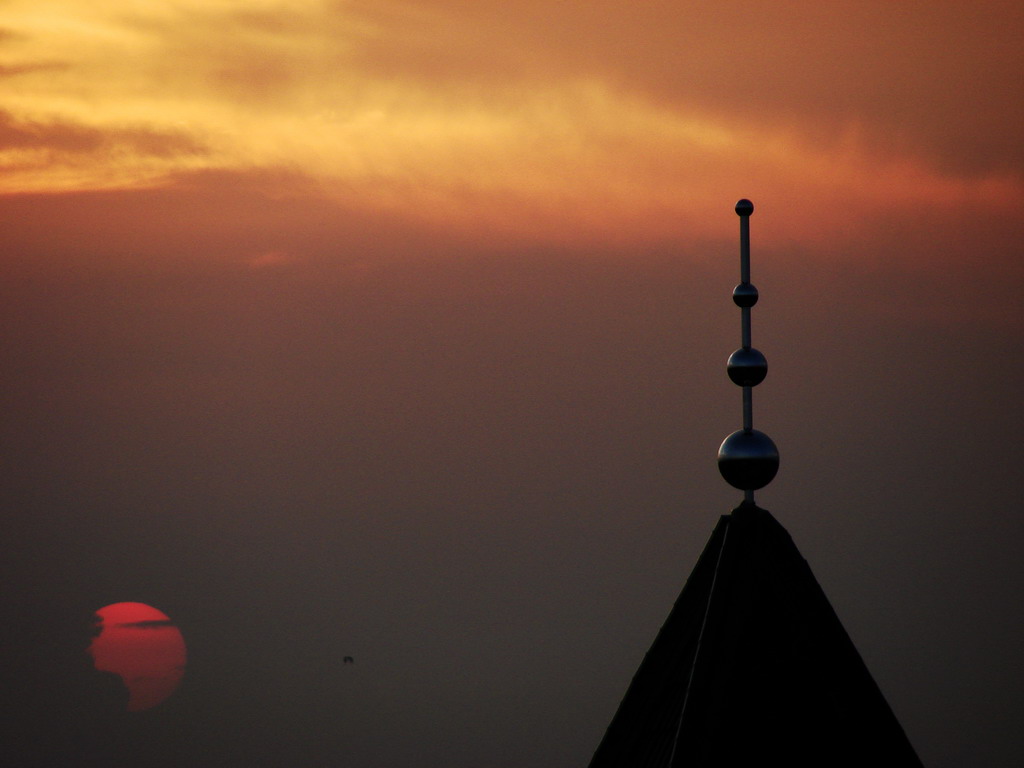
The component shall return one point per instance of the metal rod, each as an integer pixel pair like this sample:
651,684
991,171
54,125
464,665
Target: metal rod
748,392
745,248
748,395
745,275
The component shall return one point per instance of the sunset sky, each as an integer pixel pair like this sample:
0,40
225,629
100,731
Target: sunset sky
398,330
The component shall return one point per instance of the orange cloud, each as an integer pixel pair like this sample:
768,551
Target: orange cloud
532,119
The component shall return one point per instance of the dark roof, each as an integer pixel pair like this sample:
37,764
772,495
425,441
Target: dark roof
752,664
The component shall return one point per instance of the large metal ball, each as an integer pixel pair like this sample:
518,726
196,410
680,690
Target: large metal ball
744,207
747,367
744,295
748,460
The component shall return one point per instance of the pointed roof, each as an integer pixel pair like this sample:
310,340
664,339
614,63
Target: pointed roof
752,663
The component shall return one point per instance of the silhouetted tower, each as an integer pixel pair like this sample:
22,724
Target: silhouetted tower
752,665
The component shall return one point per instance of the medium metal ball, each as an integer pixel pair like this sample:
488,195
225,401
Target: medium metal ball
747,367
744,295
744,207
748,459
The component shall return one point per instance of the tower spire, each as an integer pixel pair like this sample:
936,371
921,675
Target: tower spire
752,662
747,459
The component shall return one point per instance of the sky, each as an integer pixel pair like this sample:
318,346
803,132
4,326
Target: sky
398,331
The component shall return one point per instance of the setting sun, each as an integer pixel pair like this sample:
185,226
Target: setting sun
144,648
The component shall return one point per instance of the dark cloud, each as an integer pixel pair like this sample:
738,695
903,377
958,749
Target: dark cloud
63,137
148,624
7,35
13,70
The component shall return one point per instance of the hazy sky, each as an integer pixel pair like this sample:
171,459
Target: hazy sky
398,330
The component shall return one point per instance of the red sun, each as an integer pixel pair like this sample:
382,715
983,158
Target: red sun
142,646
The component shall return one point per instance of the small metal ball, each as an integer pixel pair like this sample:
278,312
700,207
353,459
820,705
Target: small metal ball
747,367
744,207
744,295
748,460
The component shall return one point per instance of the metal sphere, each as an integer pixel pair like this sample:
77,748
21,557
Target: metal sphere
744,295
747,367
744,207
748,460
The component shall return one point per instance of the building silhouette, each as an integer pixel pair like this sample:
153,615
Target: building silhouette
752,663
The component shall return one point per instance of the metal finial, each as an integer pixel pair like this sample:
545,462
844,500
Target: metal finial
747,459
